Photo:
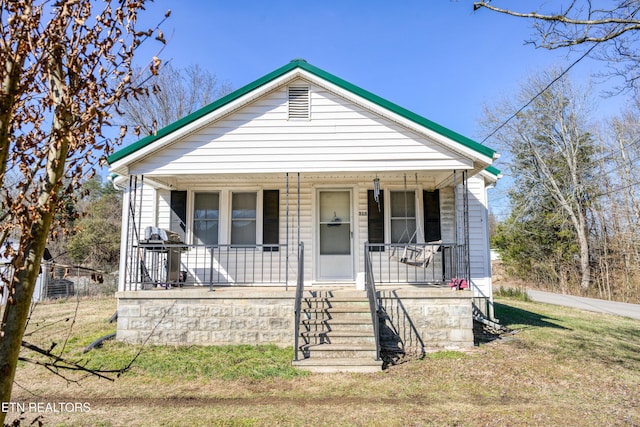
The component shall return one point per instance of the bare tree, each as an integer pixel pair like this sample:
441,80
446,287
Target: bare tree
64,66
550,154
169,96
616,232
614,26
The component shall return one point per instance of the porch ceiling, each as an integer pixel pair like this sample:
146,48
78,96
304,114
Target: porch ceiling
429,179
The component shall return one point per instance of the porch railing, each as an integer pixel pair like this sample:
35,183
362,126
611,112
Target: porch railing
372,295
389,263
297,305
169,265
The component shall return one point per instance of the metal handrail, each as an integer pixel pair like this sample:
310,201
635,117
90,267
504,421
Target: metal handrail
372,295
298,301
178,264
389,267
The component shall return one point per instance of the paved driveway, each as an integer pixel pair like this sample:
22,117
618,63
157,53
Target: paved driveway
589,304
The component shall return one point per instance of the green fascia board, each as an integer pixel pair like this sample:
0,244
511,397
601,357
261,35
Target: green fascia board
493,171
467,142
130,149
301,63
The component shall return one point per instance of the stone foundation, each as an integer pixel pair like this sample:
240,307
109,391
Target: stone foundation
198,316
418,320
415,319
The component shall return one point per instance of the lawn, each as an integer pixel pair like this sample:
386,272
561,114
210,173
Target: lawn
559,366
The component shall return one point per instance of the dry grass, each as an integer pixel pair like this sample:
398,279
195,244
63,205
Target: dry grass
562,367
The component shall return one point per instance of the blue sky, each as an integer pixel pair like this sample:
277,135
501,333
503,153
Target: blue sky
437,58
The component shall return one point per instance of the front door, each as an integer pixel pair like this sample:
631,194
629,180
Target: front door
335,236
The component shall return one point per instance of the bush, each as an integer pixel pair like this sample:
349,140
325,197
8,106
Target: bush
515,293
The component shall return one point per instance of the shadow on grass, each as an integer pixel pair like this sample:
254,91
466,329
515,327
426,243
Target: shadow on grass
509,316
588,337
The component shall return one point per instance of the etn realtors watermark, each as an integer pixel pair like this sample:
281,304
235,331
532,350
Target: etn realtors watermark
45,407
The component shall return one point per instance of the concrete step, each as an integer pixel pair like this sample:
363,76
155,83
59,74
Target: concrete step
336,332
365,365
339,337
337,351
334,315
343,307
340,320
359,324
336,294
330,304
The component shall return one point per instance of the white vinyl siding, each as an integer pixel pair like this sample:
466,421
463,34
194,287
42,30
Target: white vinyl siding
260,138
478,237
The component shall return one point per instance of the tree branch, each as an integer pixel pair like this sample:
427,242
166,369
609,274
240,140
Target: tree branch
58,362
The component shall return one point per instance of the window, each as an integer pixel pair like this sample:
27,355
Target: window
178,219
243,218
241,226
271,219
431,204
206,218
375,221
403,217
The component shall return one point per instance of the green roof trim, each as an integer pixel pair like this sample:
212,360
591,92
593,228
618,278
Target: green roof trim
493,171
300,63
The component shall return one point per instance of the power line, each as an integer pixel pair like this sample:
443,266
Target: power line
503,124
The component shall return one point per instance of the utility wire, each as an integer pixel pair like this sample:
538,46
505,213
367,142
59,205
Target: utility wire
565,71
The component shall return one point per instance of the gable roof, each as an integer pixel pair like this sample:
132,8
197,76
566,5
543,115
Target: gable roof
317,72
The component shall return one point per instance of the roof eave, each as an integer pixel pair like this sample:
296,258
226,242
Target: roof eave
121,158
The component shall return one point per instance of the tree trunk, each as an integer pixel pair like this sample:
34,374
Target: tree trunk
21,289
17,309
27,268
583,240
27,264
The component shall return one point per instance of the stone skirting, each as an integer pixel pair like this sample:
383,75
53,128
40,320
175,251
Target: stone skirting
415,319
198,316
418,320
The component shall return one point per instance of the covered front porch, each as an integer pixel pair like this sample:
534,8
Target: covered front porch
252,233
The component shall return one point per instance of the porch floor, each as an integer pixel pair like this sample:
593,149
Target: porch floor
249,291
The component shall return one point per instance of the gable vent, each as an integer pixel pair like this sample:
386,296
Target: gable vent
298,102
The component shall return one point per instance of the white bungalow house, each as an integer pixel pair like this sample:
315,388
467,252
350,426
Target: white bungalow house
301,181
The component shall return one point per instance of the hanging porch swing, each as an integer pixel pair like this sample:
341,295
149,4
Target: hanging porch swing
413,254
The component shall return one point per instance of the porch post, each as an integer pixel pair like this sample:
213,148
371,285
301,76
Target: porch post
286,268
461,196
124,238
298,208
465,207
455,209
300,253
127,237
130,264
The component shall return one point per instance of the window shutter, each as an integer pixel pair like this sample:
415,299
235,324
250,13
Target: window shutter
431,202
270,219
298,102
178,220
